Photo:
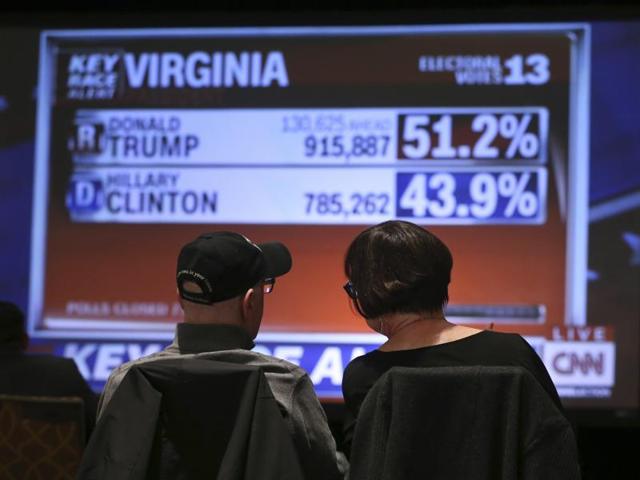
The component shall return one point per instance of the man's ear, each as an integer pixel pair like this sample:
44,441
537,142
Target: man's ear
248,303
179,298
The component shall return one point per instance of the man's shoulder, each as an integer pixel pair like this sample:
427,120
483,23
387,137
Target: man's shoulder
121,370
276,369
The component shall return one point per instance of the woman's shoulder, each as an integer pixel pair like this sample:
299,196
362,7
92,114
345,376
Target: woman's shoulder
485,343
502,340
509,347
514,340
363,366
483,339
359,362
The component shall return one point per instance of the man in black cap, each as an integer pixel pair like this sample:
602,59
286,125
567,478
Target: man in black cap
222,278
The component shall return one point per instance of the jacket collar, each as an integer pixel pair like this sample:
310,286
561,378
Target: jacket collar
196,338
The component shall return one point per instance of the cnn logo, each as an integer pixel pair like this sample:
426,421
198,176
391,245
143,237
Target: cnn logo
584,364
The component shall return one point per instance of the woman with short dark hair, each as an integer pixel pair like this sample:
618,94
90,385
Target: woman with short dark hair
398,277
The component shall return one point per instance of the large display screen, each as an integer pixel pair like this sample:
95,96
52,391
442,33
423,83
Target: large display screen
481,133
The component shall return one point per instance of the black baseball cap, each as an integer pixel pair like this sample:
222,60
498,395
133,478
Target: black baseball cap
227,264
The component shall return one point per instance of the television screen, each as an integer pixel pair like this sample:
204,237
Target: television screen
486,134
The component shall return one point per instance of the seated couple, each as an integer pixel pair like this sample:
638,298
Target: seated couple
398,276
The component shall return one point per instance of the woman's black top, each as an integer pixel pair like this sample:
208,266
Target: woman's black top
486,348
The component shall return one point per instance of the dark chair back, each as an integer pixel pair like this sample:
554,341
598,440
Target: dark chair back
41,438
480,423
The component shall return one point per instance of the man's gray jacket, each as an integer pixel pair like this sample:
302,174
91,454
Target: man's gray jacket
291,387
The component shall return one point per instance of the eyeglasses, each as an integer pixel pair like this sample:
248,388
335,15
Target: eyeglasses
353,295
267,285
351,291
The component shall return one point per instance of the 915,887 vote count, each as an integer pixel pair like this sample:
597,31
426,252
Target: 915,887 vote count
432,134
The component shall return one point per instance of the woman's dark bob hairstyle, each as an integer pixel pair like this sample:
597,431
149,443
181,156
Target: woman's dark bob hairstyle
397,266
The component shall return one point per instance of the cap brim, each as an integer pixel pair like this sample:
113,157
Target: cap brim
277,259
